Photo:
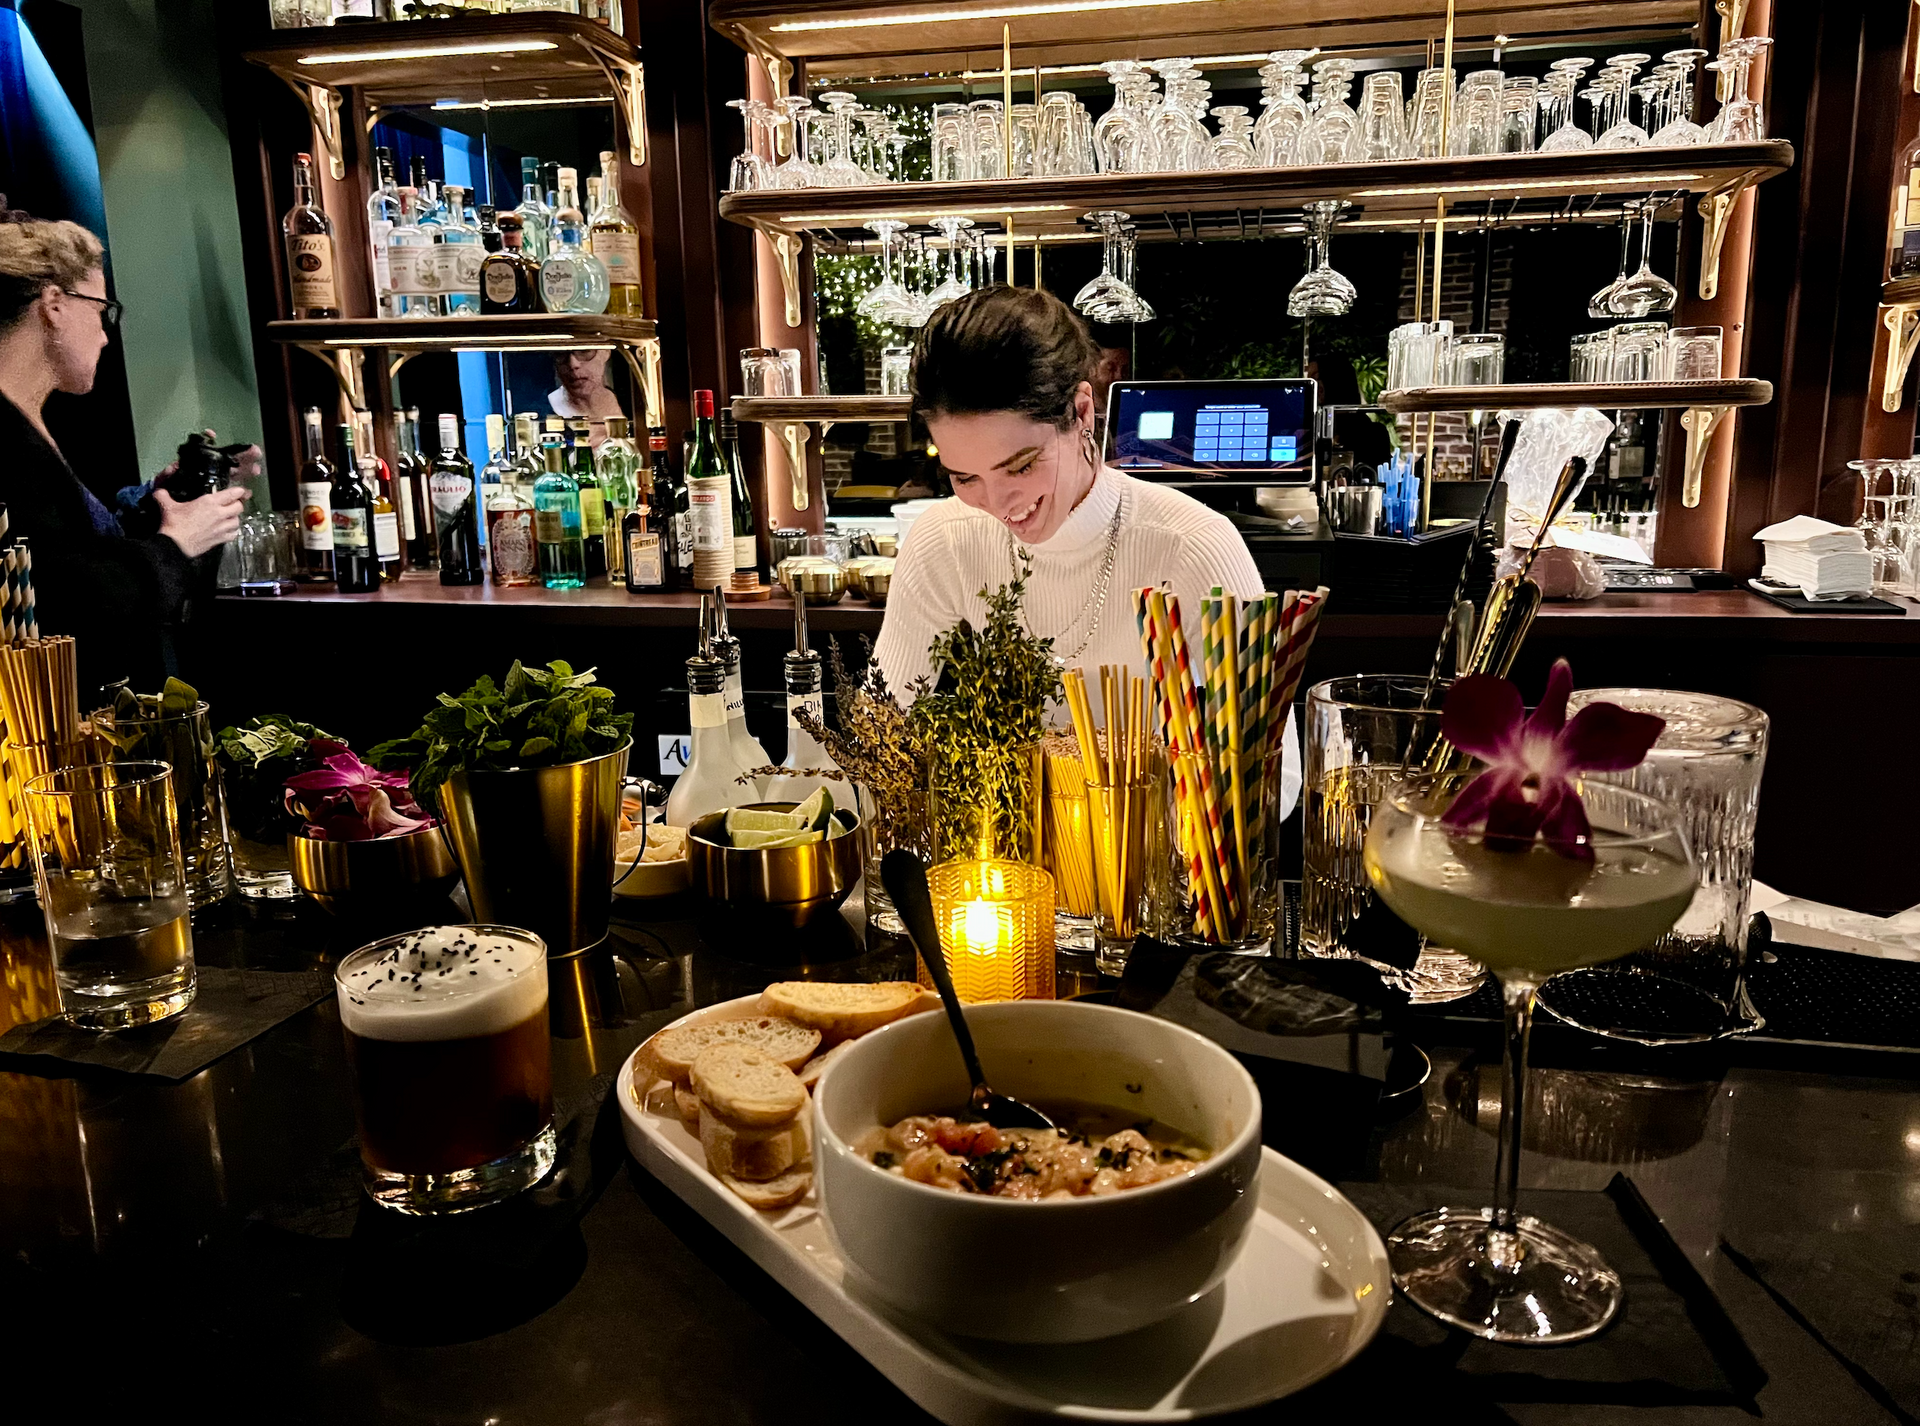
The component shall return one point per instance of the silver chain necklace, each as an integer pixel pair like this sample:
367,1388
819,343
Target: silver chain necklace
1096,601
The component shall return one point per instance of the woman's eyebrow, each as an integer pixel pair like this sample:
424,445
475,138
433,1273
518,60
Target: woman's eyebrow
1018,455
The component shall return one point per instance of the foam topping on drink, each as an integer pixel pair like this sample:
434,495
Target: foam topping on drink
443,983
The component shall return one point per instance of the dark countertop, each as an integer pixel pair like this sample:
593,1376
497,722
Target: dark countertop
205,1239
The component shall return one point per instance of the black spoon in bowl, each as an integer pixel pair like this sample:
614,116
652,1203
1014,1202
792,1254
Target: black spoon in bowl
906,882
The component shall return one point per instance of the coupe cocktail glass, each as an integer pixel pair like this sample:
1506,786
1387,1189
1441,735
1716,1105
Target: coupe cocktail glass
1526,912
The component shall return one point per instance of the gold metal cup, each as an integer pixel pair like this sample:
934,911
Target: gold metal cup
379,875
792,884
536,846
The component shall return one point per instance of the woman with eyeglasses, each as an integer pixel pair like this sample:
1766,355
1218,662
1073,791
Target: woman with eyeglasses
1003,379
115,594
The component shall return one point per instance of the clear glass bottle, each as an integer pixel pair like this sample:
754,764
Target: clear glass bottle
614,238
746,748
356,569
312,276
536,218
498,467
509,279
461,253
316,505
455,510
571,279
804,753
643,552
618,465
416,501
512,559
528,464
593,497
556,523
383,212
413,270
386,502
432,212
707,784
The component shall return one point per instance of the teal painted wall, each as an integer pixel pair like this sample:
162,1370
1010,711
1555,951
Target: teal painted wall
173,227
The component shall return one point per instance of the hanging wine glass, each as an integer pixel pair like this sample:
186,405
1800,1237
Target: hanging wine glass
1138,308
1646,292
1597,304
1322,292
887,300
1101,292
952,287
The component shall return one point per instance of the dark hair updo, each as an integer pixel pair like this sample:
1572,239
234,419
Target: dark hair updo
1002,348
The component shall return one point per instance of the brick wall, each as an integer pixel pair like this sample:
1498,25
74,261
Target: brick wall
1470,261
883,436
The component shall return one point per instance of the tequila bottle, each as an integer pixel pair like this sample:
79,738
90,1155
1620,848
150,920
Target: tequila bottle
509,279
556,524
383,212
615,239
311,274
618,465
412,267
571,279
536,218
461,254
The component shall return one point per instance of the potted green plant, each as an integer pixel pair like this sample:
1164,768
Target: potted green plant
526,776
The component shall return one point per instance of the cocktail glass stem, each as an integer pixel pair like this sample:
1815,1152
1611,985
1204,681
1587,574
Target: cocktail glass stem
1503,1245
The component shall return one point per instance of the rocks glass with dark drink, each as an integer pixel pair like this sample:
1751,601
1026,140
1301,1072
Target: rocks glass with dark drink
113,885
447,1038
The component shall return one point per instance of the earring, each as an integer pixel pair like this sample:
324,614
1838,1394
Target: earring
1089,448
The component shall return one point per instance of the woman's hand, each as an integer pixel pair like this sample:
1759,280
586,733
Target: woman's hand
197,526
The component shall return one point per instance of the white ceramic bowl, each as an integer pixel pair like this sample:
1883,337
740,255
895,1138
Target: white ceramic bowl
1068,1270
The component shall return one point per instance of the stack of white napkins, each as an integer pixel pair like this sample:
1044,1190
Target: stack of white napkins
1826,561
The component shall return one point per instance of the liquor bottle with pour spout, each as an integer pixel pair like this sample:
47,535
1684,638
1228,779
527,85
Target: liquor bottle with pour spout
804,756
707,784
747,752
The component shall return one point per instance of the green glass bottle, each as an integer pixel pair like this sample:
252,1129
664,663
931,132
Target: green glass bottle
556,525
593,497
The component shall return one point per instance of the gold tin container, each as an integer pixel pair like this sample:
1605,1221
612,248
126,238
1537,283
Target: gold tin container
790,884
381,875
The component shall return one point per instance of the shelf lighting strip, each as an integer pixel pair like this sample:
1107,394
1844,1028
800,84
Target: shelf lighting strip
1438,190
996,12
520,103
991,210
429,51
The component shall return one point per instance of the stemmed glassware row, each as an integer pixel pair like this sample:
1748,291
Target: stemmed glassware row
1157,120
913,282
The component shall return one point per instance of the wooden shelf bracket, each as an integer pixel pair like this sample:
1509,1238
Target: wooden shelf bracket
1902,321
1699,422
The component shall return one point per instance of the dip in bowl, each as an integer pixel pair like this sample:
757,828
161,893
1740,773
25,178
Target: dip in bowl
1065,1269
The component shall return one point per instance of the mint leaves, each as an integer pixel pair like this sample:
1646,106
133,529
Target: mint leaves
541,717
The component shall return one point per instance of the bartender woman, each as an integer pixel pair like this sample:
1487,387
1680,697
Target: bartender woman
1002,377
116,595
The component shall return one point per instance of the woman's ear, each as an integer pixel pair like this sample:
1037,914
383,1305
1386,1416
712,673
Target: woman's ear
1083,405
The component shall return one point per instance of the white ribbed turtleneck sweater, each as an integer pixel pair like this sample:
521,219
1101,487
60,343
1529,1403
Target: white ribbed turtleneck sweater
954,552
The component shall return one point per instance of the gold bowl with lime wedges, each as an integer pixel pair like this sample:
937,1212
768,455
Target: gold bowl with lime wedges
795,861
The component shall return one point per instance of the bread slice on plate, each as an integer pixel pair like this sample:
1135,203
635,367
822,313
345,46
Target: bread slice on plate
811,1071
753,1154
782,1192
782,1041
687,1105
745,1085
841,1010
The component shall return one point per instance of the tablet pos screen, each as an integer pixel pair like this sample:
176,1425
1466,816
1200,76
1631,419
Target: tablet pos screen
1213,432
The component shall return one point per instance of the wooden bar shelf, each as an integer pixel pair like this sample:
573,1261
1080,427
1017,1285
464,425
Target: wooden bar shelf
538,332
1564,395
857,38
821,410
540,55
1255,202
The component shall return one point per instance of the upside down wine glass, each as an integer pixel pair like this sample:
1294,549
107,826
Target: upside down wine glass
1322,292
1527,909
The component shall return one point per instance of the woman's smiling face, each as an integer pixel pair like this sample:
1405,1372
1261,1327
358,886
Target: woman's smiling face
1027,474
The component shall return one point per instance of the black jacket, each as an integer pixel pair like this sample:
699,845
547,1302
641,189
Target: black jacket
115,595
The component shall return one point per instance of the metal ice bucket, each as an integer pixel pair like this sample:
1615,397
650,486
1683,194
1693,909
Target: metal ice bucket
536,846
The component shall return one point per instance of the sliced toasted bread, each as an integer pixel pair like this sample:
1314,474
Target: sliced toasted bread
811,1071
753,1154
782,1041
782,1192
687,1105
747,1086
841,1010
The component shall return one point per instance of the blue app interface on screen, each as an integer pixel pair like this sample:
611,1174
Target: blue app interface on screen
1212,431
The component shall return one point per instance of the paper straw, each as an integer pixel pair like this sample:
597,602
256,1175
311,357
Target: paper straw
26,587
1159,643
1227,912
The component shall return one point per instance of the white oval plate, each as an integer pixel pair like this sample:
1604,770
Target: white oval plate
1308,1293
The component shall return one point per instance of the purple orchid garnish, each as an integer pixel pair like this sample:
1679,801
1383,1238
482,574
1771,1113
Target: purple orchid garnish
1528,787
344,800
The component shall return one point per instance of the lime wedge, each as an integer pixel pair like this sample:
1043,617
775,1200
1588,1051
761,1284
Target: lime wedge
763,841
815,812
752,819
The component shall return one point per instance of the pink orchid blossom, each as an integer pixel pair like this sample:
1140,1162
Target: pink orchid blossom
1528,787
344,800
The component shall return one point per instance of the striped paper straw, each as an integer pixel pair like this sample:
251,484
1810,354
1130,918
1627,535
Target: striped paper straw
1186,797
1209,793
26,587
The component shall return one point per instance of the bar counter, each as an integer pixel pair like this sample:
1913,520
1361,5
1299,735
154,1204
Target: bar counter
366,667
206,1240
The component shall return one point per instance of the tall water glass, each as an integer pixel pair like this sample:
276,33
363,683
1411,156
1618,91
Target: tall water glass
1693,354
447,1038
1639,351
184,742
1477,359
1689,985
1363,734
113,886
